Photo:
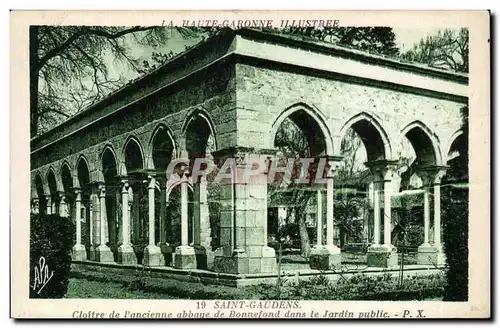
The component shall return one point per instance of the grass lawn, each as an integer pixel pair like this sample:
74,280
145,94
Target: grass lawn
83,288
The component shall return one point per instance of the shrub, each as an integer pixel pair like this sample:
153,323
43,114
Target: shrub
455,238
51,241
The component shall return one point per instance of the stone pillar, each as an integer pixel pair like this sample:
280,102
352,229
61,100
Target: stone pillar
166,249
79,252
185,257
431,254
201,225
319,219
49,205
103,252
152,253
35,205
384,255
126,253
244,214
95,221
328,257
63,206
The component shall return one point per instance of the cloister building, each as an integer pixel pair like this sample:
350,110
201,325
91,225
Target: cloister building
105,168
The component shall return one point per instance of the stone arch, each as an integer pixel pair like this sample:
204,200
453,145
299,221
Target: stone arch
312,115
40,188
108,154
448,149
197,131
200,113
66,175
133,155
425,143
159,155
52,181
82,172
372,133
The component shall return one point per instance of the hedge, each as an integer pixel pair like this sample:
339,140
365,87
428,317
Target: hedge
51,242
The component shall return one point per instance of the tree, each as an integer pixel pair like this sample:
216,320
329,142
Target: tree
378,40
69,65
447,49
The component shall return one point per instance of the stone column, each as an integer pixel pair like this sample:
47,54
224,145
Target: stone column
319,219
152,253
431,254
185,257
63,206
201,225
103,252
245,212
382,255
165,247
328,257
35,205
126,253
79,252
49,205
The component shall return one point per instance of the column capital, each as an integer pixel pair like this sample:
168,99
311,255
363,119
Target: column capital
382,170
431,174
332,164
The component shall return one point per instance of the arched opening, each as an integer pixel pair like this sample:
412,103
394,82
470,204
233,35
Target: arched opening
83,175
138,197
458,160
200,143
67,182
298,136
162,153
419,151
54,195
42,200
173,216
363,143
113,197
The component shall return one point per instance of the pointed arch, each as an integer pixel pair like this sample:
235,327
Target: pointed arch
82,171
310,111
372,133
451,140
133,155
66,176
203,114
108,154
161,128
425,143
40,184
52,181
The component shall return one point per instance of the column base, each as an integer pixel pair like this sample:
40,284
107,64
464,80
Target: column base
185,257
104,254
167,254
153,256
430,255
201,254
92,253
325,258
259,259
382,256
126,255
79,253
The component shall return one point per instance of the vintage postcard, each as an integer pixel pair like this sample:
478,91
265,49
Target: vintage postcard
250,164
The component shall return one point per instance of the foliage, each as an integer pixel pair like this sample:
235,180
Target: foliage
356,287
455,219
70,65
51,242
447,49
320,287
377,40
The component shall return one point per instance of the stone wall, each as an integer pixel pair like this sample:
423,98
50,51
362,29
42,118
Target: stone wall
263,94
